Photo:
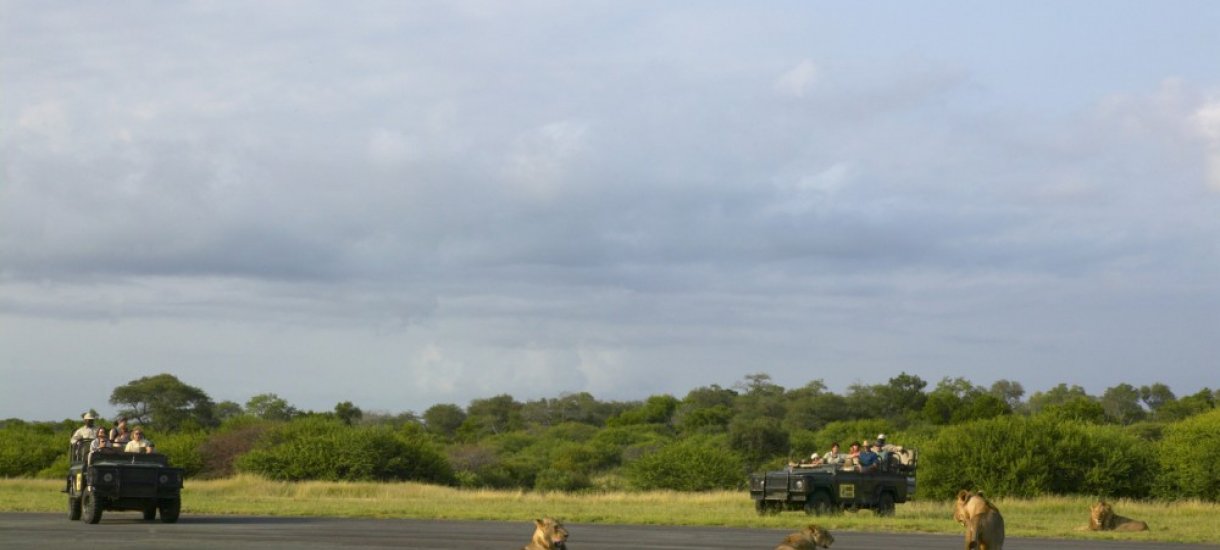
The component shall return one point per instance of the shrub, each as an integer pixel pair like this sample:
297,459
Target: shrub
1026,457
698,463
327,449
234,438
26,449
183,449
1187,457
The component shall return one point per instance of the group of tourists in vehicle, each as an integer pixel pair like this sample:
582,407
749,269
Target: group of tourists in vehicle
118,438
865,457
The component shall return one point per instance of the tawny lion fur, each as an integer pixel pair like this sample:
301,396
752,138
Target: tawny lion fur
983,522
1103,518
809,538
549,534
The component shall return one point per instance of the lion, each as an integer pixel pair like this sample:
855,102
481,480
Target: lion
985,531
983,522
968,505
549,534
809,538
1103,518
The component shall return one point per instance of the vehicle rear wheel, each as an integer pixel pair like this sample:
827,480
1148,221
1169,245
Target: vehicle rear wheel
169,509
150,511
818,504
73,508
885,504
91,508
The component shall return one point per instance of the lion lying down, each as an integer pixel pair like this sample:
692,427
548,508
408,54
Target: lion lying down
983,522
809,538
1103,518
549,534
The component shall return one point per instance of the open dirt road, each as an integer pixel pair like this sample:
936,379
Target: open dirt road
127,531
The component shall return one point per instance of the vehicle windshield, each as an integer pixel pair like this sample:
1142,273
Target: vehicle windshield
129,458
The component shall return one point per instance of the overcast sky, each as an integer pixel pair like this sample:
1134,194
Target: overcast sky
409,203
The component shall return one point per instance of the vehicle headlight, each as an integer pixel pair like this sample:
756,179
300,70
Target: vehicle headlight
108,477
800,484
164,479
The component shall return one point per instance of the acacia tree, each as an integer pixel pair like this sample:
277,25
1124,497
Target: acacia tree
164,402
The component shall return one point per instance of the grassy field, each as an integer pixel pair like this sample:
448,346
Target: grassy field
1051,517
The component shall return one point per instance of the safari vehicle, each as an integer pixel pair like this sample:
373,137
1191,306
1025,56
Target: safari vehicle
825,489
111,479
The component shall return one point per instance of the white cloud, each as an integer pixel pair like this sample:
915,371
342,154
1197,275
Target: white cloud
798,81
540,158
1207,121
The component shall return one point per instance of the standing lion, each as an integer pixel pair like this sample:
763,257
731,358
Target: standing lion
549,534
809,538
1103,518
983,522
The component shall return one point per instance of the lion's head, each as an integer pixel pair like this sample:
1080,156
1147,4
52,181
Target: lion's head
968,505
1101,516
820,537
550,533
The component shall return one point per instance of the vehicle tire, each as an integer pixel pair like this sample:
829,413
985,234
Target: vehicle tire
91,508
150,511
760,506
885,504
819,504
73,508
169,509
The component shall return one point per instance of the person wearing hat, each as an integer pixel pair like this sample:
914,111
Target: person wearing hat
87,431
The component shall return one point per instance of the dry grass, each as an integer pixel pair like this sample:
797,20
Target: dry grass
1049,517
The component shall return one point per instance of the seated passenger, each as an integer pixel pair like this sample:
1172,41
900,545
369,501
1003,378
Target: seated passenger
833,456
888,452
138,444
120,435
814,460
869,461
101,442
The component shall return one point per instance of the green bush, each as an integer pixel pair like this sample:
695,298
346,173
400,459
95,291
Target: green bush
328,449
552,479
698,463
1032,456
183,449
1188,459
26,448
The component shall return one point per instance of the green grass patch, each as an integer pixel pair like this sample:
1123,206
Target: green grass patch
1046,517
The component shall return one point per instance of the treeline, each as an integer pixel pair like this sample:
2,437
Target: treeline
1129,441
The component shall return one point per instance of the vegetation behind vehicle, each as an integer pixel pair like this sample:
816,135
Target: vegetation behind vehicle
576,442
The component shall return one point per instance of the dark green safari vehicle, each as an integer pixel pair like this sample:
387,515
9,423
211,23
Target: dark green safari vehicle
827,489
110,479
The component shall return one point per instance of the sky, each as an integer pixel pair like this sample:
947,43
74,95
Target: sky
405,204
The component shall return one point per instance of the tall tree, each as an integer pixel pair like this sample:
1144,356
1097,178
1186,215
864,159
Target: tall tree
1156,395
444,419
270,406
1009,391
348,413
164,402
1122,404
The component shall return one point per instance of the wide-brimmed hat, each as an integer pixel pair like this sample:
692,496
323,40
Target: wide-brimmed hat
89,416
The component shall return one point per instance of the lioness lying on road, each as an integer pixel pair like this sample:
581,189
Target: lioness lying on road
983,522
549,534
809,538
1103,518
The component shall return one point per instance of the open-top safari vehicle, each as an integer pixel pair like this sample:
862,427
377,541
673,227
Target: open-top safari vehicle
110,479
829,488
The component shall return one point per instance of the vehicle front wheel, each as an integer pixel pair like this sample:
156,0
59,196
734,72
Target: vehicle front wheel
91,508
169,509
73,508
885,504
